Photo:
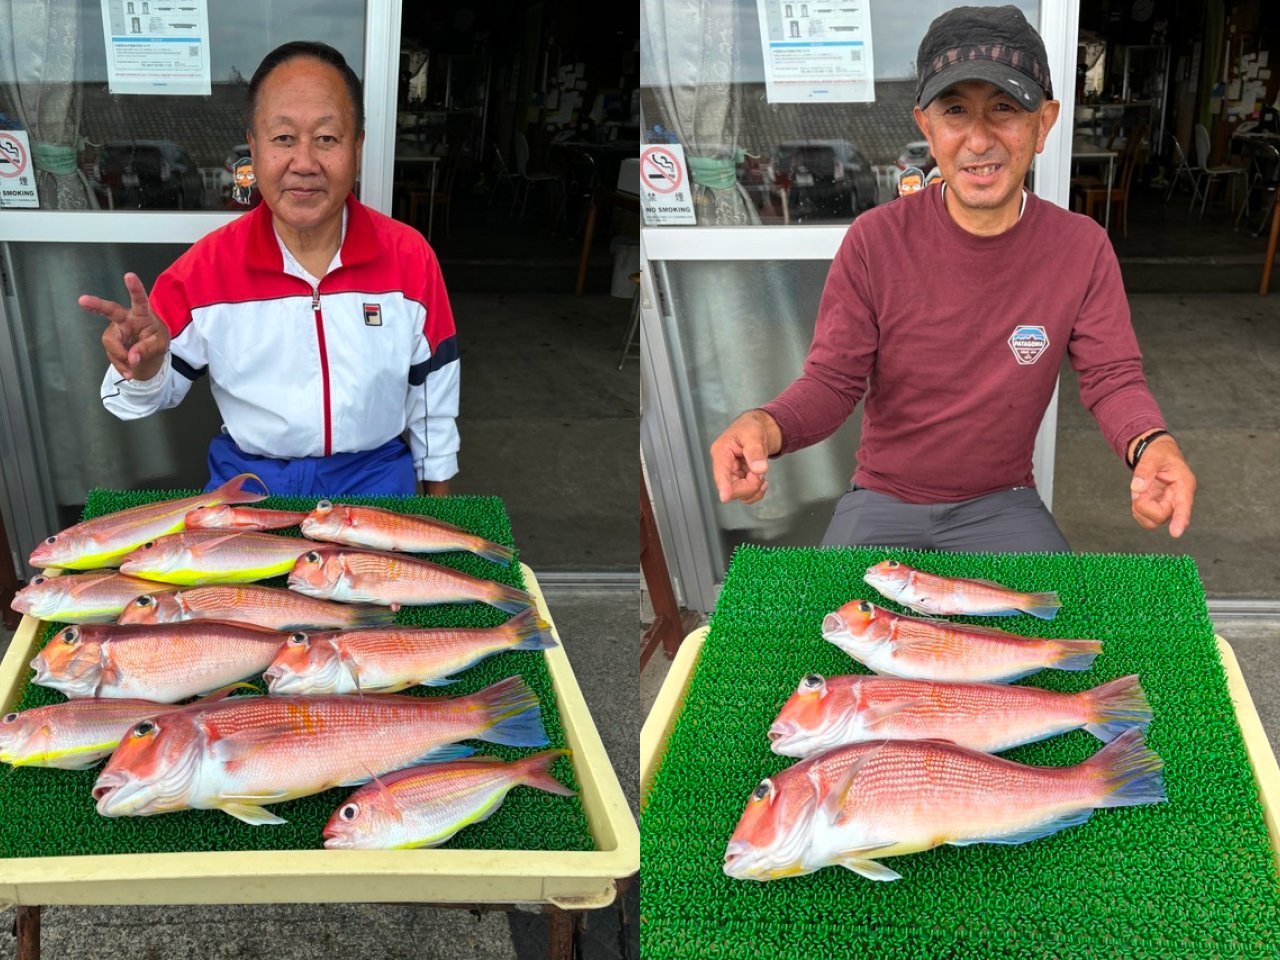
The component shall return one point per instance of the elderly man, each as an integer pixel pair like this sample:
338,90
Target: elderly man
959,356
324,326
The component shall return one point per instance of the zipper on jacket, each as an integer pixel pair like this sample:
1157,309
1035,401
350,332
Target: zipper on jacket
324,371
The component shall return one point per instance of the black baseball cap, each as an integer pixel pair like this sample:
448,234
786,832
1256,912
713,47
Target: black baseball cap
995,44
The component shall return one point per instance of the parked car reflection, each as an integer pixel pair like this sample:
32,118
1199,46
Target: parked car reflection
147,174
916,154
823,180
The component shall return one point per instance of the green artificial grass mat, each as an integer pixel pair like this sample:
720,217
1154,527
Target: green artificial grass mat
1193,877
45,812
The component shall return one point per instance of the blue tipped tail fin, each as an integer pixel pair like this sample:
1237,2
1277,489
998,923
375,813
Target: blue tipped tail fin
1077,654
1116,707
1133,772
1045,606
531,631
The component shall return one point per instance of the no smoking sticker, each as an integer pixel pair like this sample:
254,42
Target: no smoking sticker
665,195
17,178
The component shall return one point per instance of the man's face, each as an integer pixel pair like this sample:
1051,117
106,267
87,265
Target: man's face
304,142
984,142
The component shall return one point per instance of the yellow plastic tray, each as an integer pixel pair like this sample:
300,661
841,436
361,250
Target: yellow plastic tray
573,880
666,711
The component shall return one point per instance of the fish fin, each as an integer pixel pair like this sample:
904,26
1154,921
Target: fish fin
440,754
251,814
495,552
873,715
1130,770
834,801
508,599
531,631
1116,707
213,543
1076,654
240,745
1037,832
371,614
434,682
233,491
223,692
523,729
84,581
1046,605
871,869
535,771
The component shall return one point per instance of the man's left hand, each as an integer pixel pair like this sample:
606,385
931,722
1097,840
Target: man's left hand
433,488
1163,487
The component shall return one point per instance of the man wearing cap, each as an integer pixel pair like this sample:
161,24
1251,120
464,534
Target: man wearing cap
958,361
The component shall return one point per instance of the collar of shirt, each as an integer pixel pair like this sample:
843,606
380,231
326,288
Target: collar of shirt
1021,210
294,268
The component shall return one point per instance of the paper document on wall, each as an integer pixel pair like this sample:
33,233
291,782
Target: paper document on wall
157,47
817,52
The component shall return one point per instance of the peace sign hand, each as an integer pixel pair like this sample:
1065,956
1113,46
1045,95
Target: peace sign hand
136,340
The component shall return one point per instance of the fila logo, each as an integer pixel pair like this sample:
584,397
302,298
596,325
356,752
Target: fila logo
372,315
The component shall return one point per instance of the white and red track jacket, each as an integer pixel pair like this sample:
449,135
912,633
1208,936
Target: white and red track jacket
298,372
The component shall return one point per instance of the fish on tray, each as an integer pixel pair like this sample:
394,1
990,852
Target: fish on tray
226,517
268,607
929,593
913,648
164,662
387,659
852,806
76,734
95,597
425,806
351,575
197,557
252,751
387,530
829,712
103,541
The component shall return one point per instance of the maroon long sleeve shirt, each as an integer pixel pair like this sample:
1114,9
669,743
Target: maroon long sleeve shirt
957,341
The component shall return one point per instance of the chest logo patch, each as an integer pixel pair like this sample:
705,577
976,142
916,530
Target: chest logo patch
372,315
1028,343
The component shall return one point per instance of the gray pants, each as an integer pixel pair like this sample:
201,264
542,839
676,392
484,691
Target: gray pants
1011,521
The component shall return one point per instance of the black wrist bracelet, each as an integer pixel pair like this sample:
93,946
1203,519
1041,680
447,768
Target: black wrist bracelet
1141,448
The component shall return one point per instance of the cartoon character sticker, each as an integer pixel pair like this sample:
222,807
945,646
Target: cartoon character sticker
245,181
910,180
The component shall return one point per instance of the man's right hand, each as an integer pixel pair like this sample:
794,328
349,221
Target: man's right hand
740,456
136,340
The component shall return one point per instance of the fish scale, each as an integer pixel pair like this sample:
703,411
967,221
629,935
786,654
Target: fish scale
215,556
382,529
265,606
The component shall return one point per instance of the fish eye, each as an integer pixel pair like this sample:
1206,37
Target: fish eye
312,557
813,681
864,607
762,791
52,540
71,636
145,600
298,639
36,581
10,717
892,564
349,812
325,505
145,728
148,545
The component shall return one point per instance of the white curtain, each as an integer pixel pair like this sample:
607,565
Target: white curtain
39,61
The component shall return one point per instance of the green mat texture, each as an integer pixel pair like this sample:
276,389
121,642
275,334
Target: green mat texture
1193,877
45,813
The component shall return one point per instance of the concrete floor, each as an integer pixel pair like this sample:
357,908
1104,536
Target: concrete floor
598,629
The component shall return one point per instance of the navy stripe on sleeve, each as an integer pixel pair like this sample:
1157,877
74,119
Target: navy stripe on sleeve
186,369
446,353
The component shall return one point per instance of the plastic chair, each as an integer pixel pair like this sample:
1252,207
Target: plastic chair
529,179
1183,169
443,195
1208,174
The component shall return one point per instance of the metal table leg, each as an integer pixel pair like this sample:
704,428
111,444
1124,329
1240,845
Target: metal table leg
562,934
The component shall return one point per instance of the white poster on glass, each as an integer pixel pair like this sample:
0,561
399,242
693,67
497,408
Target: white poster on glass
817,52
17,175
666,196
157,46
